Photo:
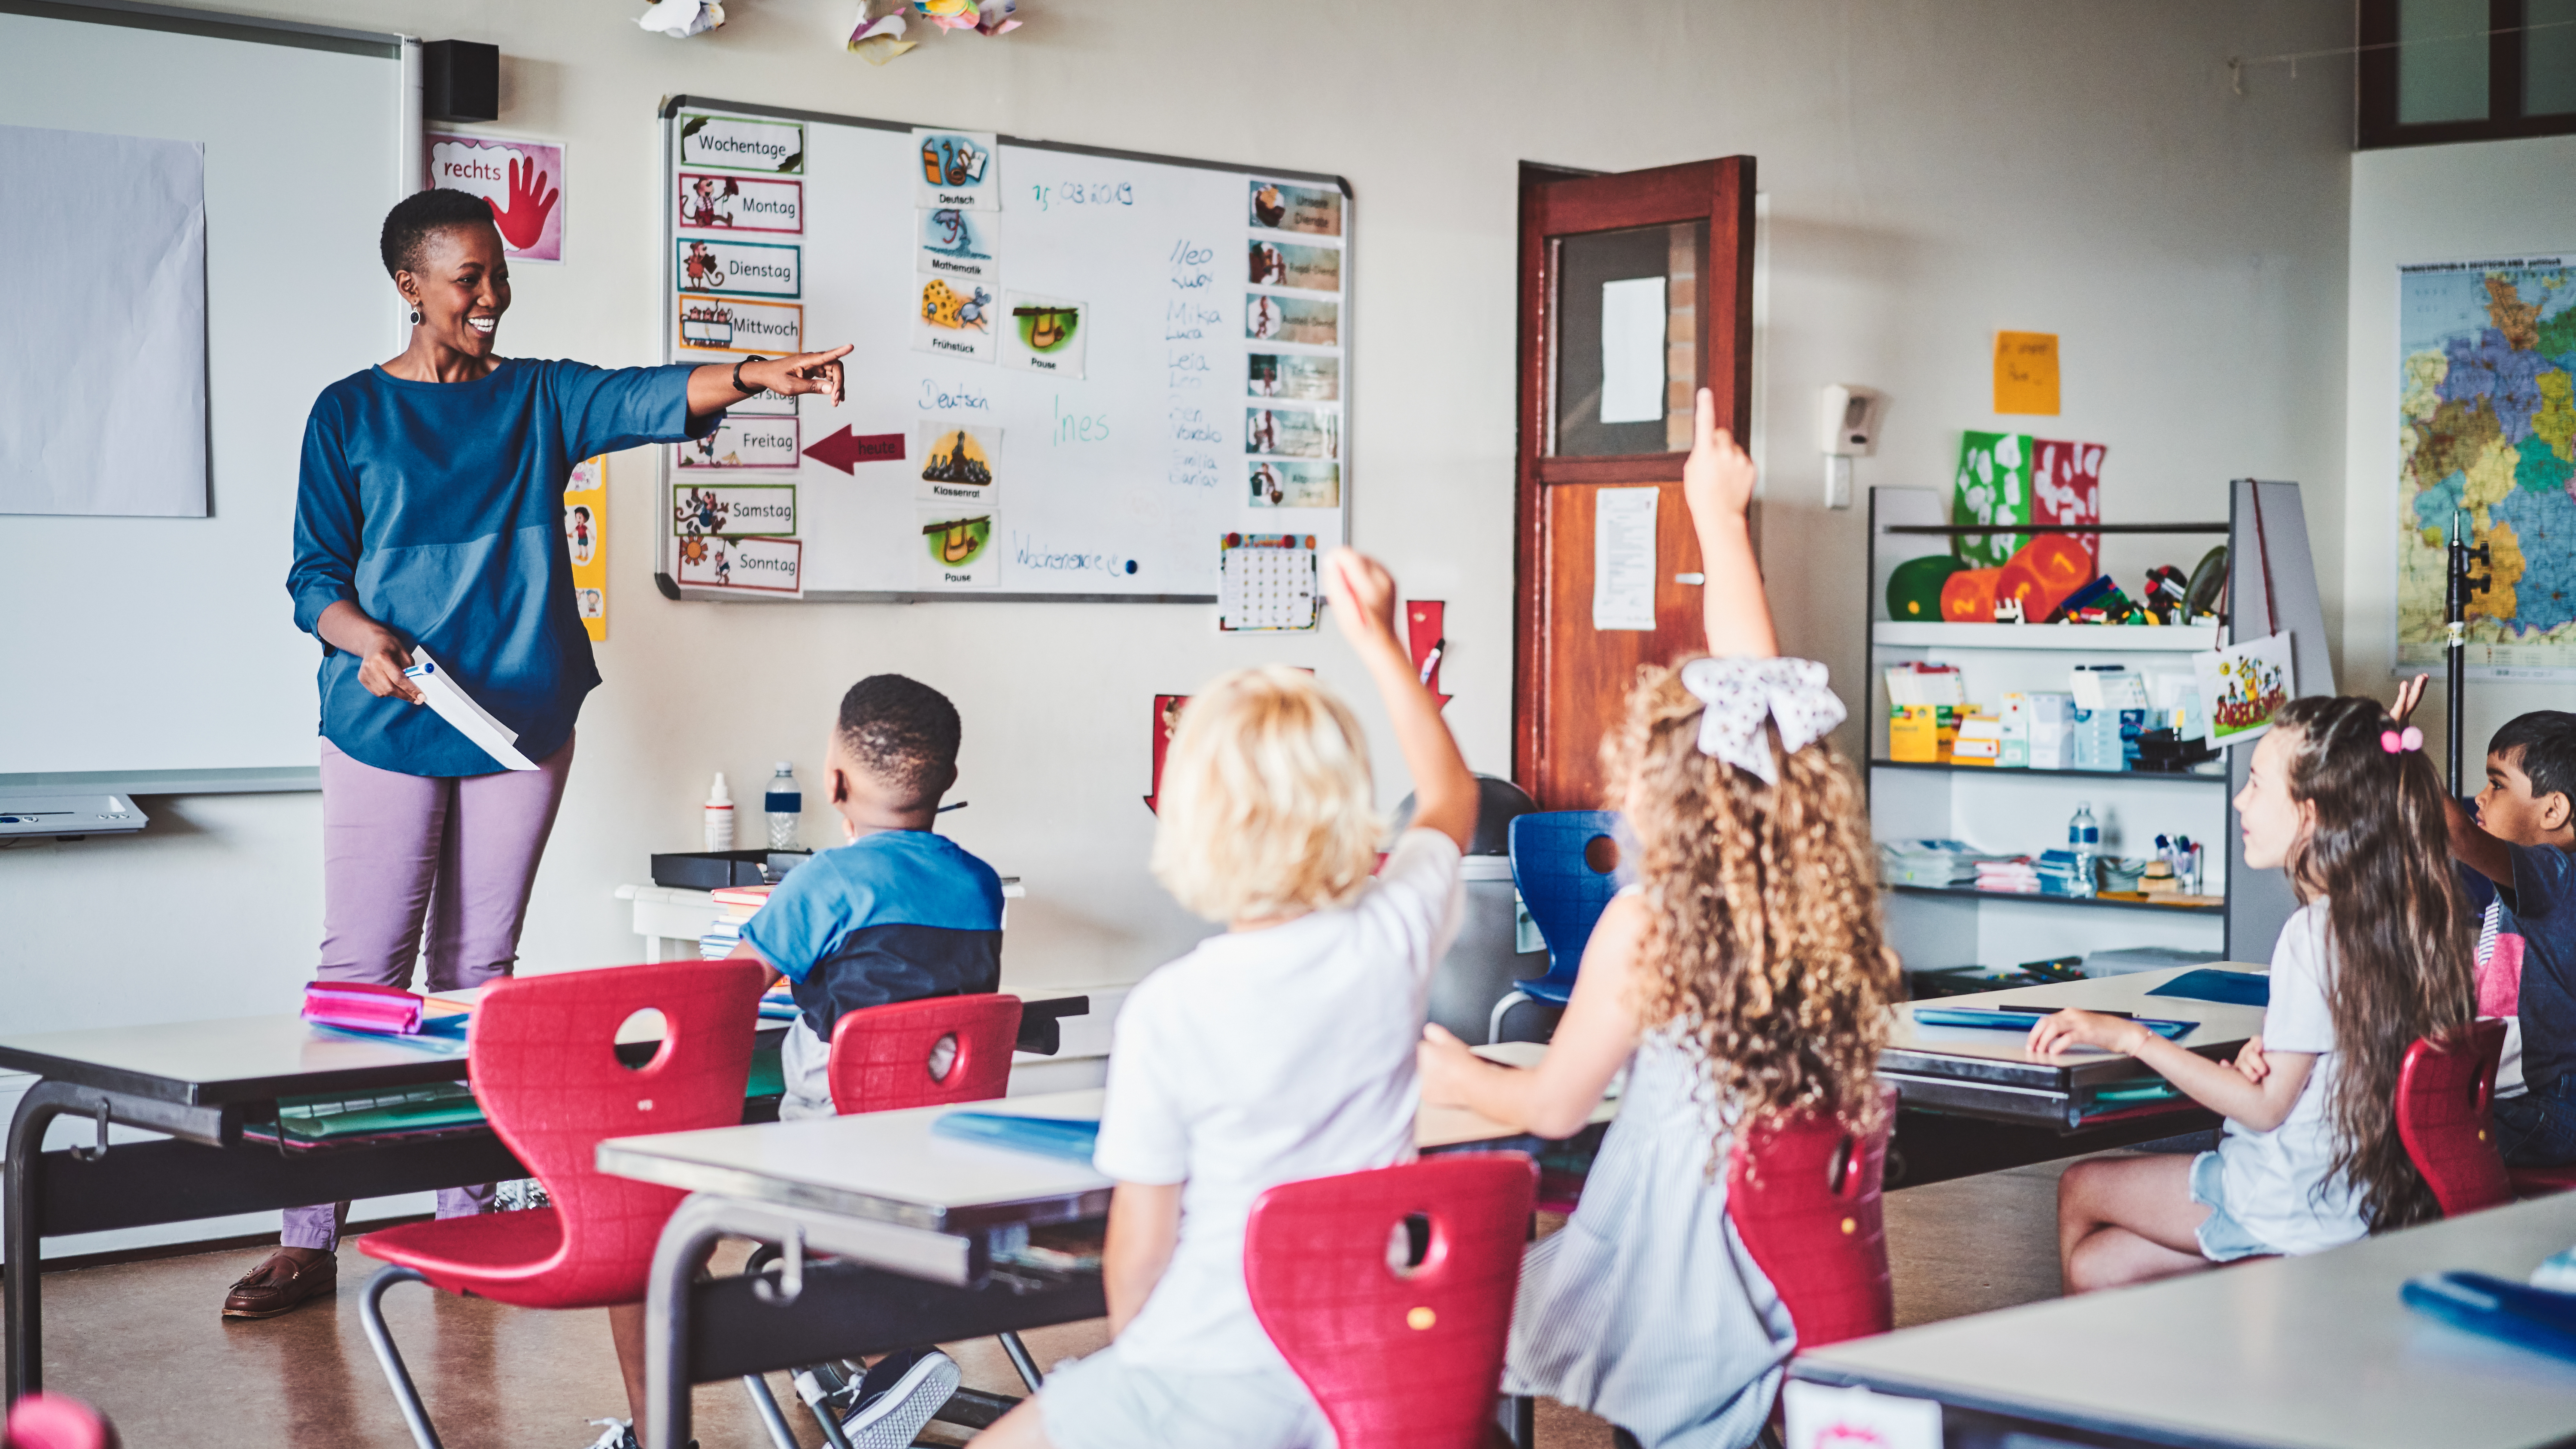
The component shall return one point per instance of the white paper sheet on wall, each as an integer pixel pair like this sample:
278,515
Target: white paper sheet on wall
1623,558
105,348
1632,350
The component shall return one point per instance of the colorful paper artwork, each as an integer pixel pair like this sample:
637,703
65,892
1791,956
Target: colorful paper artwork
733,509
1992,486
742,143
737,268
522,181
1295,485
2066,487
2244,685
758,565
747,442
956,242
958,169
1279,206
1294,375
738,324
1287,264
1292,319
585,515
740,203
1047,334
960,462
958,549
954,319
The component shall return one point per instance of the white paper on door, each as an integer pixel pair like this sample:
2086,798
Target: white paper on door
1623,558
1632,350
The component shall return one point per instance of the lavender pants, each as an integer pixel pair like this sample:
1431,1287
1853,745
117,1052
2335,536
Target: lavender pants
408,857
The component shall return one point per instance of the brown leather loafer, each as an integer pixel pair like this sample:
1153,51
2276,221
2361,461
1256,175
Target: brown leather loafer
279,1284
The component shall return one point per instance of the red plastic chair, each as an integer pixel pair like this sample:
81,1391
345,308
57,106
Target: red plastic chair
544,1069
2541,1181
2445,1116
1396,1357
1804,1194
882,1056
56,1421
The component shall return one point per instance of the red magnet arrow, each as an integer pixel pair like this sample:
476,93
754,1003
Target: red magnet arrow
843,451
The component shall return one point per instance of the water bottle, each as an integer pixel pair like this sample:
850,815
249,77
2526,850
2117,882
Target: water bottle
2084,840
785,804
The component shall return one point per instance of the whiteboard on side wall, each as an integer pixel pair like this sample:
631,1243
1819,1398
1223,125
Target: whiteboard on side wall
152,654
1075,372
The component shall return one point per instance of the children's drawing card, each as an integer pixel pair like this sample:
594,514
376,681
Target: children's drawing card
961,462
2066,487
1047,334
755,565
956,242
709,202
738,324
1279,206
958,548
1992,487
585,515
733,509
2245,685
1302,320
737,268
756,144
954,319
1293,375
1268,583
1296,485
1292,432
958,169
1287,264
740,443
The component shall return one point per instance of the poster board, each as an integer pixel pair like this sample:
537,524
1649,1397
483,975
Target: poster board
1075,372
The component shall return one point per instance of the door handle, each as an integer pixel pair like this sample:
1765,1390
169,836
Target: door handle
1694,580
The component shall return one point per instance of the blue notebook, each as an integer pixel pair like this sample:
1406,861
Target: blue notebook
2234,988
2022,1018
2499,1308
1069,1138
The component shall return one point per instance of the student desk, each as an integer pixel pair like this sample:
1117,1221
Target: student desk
200,1082
911,1220
2286,1353
1973,1100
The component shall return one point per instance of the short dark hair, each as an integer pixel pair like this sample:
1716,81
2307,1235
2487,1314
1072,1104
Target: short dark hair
903,732
408,225
2541,744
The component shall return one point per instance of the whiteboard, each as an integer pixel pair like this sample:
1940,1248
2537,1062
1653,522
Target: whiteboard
1126,457
162,651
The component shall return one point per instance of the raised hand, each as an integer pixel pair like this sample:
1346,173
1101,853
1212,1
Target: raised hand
2410,692
525,219
1718,479
1362,594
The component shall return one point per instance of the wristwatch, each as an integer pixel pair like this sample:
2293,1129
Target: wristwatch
738,385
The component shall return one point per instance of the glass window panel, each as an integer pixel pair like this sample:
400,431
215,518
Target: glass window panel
1626,340
2441,61
2548,57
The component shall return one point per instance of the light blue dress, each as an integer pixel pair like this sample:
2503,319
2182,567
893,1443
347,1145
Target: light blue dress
1645,1310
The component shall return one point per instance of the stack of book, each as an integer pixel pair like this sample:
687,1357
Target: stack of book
1930,862
2013,875
2059,874
736,904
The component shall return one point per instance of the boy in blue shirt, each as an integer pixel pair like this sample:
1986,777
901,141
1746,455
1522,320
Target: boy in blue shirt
897,914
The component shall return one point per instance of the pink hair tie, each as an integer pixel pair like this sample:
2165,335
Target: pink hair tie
2394,742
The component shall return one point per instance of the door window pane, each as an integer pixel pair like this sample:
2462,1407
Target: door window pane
2441,61
2548,57
1626,340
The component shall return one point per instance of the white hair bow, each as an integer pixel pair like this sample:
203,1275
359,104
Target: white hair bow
1742,692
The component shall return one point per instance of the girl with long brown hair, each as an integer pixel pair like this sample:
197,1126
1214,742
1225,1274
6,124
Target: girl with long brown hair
2378,955
1741,974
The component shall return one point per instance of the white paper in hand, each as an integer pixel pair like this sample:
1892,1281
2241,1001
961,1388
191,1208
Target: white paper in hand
458,708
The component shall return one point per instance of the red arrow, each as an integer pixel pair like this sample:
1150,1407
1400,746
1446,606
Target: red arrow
842,450
1167,717
1424,628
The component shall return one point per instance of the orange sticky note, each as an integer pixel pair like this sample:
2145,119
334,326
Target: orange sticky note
2026,372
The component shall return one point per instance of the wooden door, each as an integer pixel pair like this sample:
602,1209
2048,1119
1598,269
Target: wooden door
1594,420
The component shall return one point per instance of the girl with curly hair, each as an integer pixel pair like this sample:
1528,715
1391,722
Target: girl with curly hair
2378,955
1742,974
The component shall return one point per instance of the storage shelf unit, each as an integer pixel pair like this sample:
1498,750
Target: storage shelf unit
2272,588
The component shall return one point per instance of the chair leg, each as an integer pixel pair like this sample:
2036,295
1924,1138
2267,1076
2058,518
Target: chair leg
371,1312
765,1403
1494,1028
1020,1360
1518,1416
817,1396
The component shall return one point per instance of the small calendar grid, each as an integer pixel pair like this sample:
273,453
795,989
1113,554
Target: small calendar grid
1269,583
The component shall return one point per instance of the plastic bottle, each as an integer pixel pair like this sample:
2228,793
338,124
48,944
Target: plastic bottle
2084,839
785,805
719,815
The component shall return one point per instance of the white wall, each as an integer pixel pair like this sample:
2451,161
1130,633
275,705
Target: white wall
1935,169
2429,204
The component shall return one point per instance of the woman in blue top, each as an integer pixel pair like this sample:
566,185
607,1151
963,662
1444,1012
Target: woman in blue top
429,516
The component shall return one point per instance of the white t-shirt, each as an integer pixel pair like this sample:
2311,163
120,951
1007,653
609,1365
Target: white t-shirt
2281,1185
1264,1057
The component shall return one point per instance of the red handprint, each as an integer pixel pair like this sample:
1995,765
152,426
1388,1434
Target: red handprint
525,219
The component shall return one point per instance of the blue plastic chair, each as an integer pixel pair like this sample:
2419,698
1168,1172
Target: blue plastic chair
1565,896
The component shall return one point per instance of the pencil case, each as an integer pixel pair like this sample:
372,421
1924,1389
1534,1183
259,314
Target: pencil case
359,1006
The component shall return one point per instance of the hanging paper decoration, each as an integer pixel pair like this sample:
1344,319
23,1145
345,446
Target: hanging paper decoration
680,19
881,39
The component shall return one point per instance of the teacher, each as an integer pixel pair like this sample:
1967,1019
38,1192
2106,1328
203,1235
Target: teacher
429,517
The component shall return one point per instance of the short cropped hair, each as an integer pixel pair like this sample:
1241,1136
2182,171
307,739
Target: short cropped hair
409,224
2541,744
903,732
1266,806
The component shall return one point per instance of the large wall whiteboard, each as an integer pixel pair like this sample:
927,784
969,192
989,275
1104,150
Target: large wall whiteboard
163,651
1120,483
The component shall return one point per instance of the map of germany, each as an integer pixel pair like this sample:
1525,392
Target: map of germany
2487,425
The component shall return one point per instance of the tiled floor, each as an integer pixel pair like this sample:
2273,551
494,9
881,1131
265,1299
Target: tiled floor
146,1343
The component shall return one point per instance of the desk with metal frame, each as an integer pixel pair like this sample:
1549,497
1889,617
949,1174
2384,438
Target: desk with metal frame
201,1082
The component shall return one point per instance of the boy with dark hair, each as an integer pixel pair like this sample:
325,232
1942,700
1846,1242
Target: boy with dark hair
2519,845
897,914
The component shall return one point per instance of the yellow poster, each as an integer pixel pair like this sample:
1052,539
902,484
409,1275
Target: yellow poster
2026,372
586,536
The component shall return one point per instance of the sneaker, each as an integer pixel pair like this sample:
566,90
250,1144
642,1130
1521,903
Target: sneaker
898,1395
614,1434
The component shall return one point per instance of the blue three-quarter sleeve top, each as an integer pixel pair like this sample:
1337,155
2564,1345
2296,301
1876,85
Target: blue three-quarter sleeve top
438,509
